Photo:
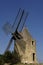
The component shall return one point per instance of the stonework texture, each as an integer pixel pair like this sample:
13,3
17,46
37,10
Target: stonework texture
26,47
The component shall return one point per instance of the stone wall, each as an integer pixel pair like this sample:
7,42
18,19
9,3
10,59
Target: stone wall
27,48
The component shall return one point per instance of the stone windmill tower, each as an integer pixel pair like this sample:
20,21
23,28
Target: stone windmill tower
24,44
28,50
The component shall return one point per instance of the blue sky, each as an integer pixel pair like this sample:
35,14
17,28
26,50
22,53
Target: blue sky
34,23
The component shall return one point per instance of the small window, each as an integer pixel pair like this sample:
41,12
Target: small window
33,56
32,42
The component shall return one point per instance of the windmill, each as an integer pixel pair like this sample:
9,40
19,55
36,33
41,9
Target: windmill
16,28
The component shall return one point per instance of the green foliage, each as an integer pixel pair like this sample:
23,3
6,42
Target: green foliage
9,57
1,60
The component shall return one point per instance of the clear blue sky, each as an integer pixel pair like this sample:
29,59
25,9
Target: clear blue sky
34,23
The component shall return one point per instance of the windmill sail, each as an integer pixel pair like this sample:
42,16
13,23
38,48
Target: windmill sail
15,29
23,21
18,23
10,42
18,20
8,28
19,12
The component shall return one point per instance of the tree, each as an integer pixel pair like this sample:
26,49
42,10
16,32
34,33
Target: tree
8,57
1,60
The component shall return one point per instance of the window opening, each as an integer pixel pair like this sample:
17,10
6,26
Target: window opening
33,56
